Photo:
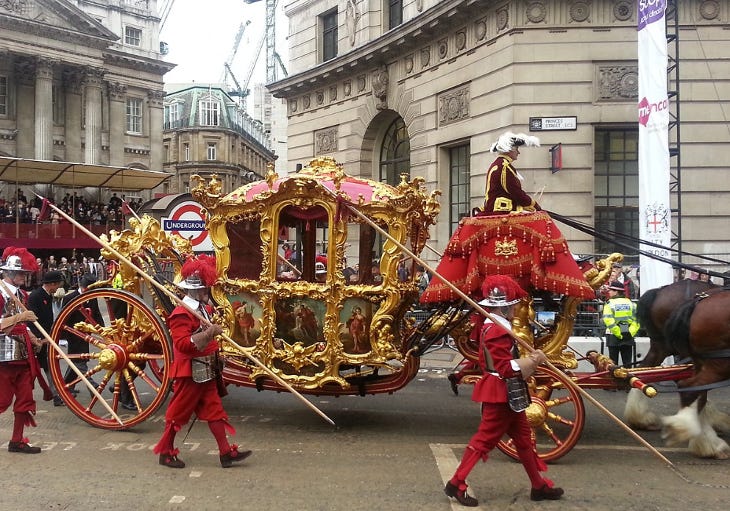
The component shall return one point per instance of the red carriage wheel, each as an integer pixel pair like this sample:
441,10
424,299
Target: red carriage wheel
556,415
126,350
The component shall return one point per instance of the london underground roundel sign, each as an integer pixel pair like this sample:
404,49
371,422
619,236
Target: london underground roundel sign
186,220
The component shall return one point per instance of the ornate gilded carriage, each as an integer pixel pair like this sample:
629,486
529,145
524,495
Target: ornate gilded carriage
326,314
321,328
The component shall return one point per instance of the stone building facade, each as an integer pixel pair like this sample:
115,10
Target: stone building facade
81,81
206,132
426,86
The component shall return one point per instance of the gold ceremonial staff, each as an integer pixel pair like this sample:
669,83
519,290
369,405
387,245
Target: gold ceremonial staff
58,349
177,300
343,200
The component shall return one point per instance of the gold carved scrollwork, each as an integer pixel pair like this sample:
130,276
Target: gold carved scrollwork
145,238
206,194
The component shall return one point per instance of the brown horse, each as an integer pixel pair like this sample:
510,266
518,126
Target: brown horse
665,313
700,329
653,311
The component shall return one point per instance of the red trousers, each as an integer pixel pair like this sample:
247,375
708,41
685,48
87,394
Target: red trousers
189,397
16,381
498,419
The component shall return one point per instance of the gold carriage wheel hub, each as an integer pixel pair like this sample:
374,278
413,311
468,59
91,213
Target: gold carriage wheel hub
536,412
108,359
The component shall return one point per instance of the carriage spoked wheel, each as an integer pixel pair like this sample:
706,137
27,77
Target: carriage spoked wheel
123,348
556,416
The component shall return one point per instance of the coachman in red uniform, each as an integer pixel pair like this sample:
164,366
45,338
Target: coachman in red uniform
195,369
504,193
503,394
18,364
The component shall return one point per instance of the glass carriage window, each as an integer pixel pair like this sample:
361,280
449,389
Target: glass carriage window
246,250
362,255
395,153
616,187
308,240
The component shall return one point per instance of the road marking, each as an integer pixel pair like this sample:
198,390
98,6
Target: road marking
447,463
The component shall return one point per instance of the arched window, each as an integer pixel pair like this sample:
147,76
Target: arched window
395,153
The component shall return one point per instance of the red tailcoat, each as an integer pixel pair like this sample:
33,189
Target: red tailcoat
189,396
504,191
491,388
183,324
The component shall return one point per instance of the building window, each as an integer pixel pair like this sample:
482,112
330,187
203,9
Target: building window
459,188
328,22
186,151
134,115
209,113
212,151
3,95
172,115
395,153
395,13
616,187
132,36
58,104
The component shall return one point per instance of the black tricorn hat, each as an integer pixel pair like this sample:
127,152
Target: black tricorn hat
51,277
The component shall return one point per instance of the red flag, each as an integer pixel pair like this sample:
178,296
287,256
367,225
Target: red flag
45,211
126,210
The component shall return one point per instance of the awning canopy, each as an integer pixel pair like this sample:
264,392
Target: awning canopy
78,175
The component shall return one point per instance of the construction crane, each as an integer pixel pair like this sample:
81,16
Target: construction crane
270,39
229,61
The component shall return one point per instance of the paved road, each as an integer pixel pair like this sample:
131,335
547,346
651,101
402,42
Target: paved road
387,452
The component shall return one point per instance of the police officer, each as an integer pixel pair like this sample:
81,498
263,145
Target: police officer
619,316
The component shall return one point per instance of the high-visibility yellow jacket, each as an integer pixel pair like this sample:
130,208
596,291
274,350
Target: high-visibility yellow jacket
619,316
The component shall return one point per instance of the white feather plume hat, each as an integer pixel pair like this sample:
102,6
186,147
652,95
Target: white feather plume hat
508,141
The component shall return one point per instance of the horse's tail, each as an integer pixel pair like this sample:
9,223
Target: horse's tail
643,311
676,329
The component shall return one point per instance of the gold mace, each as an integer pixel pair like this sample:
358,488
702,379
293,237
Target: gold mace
177,300
58,349
486,314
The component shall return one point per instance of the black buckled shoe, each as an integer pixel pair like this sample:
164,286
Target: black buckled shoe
233,456
57,401
461,496
171,460
454,384
546,493
24,447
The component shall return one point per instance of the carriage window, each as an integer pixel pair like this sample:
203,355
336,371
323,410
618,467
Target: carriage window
246,251
305,254
360,255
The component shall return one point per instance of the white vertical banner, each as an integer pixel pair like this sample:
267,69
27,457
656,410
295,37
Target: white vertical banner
653,109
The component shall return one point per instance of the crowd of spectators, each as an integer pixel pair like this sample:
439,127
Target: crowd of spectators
72,268
20,209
